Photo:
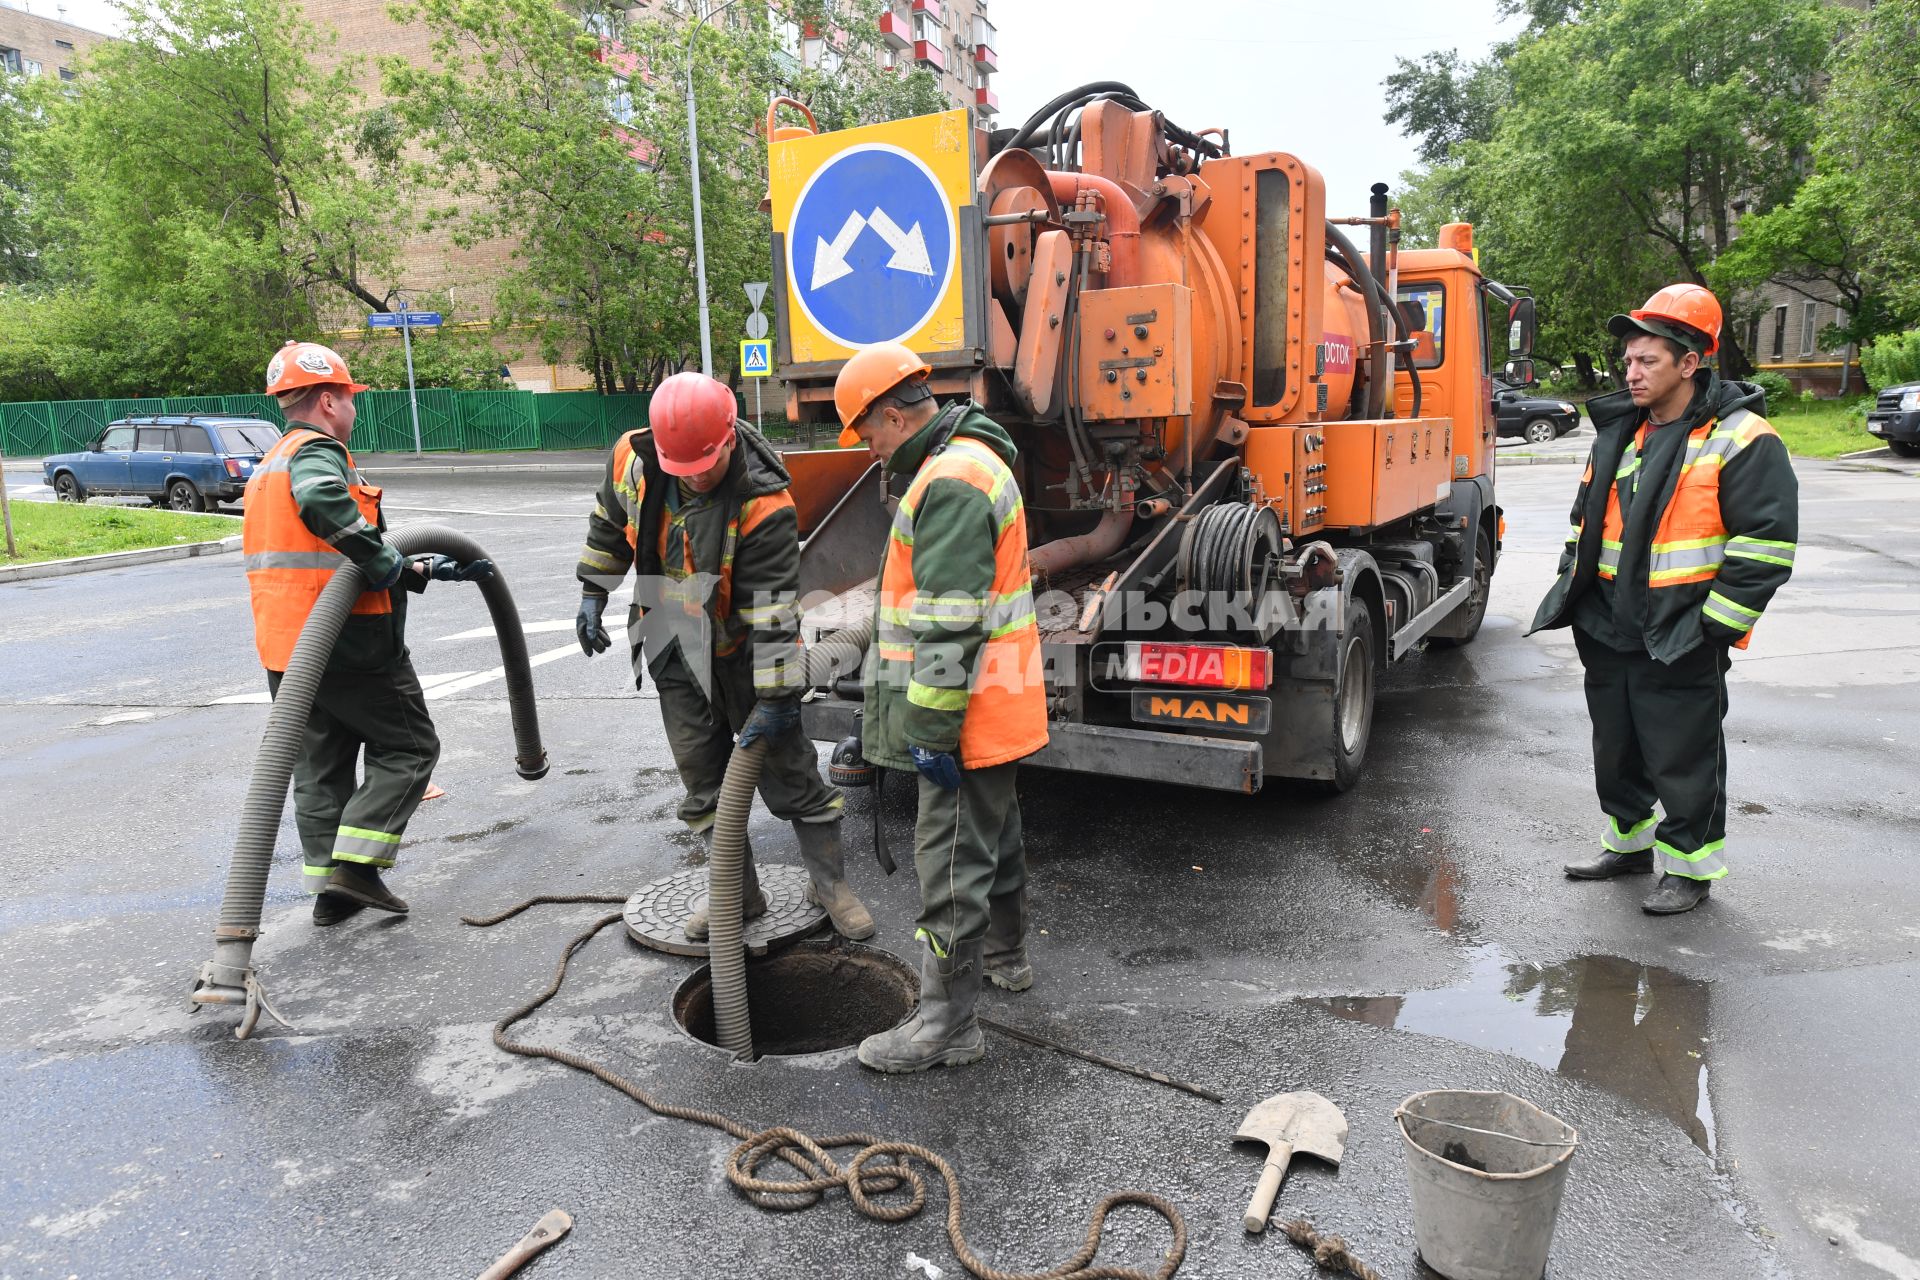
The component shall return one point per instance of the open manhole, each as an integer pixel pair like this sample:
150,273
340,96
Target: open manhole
812,997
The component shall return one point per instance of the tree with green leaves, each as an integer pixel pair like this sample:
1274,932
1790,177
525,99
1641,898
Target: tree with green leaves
1870,136
198,196
19,254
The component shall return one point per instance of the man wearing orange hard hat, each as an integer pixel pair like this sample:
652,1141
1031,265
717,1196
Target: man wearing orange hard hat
954,690
1670,562
697,506
308,514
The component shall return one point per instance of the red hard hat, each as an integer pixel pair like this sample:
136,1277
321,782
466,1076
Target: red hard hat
308,364
692,417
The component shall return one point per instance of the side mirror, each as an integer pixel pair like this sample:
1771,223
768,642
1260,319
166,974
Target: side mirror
1519,373
1521,327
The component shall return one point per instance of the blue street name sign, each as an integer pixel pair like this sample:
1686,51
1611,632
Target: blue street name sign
414,320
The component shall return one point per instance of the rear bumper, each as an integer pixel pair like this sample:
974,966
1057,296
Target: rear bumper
1189,760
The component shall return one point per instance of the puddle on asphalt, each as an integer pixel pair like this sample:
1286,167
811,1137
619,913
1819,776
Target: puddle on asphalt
1638,1031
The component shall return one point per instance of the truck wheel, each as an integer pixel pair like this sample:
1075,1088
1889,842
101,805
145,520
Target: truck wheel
1353,699
1540,431
67,489
1465,625
182,496
1905,448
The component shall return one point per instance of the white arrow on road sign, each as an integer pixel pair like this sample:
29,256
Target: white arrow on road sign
909,247
756,293
830,260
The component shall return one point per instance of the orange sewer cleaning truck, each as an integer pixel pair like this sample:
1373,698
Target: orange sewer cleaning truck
1256,442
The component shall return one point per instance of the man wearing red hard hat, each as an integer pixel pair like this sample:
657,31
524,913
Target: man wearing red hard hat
697,506
308,513
1670,562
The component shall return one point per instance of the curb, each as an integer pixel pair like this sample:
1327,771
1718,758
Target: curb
116,560
1877,451
510,468
1536,460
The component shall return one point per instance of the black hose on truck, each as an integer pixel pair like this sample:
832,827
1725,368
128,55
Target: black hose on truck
229,977
826,662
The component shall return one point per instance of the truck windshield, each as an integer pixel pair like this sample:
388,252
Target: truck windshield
253,438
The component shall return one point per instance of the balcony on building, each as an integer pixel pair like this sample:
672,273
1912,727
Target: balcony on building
895,31
985,41
986,102
927,53
931,8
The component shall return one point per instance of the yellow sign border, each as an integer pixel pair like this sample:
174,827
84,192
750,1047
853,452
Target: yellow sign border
756,342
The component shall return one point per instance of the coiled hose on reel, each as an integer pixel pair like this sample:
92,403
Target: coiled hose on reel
825,662
229,977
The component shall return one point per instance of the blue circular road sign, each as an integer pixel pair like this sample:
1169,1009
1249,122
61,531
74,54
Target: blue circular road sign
871,245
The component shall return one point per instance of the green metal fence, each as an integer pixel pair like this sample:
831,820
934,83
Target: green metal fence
449,420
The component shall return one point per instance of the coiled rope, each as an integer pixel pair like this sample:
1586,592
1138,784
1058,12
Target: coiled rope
878,1169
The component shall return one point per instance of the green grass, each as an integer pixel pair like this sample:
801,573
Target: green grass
1823,428
62,530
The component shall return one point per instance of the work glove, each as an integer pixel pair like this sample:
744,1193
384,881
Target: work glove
770,720
586,625
937,767
447,569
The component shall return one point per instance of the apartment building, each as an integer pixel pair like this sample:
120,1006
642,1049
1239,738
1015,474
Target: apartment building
32,44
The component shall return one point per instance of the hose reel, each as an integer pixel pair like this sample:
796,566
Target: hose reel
1230,555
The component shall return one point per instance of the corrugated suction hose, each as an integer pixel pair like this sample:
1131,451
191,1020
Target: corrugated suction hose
825,662
229,977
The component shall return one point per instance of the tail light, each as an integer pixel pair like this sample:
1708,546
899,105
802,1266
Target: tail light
1201,666
233,468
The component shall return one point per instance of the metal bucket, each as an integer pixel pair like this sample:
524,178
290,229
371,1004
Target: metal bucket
1487,1171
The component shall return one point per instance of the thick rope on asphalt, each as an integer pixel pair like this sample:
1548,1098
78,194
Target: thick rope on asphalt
879,1168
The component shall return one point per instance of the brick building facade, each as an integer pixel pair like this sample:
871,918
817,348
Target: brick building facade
32,45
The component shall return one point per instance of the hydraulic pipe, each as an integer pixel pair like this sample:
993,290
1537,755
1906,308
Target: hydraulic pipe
1084,548
824,663
1376,387
1123,220
229,977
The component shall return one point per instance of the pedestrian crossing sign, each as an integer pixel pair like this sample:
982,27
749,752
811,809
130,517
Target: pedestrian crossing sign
756,357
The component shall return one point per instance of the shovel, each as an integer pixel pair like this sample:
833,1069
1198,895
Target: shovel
1289,1122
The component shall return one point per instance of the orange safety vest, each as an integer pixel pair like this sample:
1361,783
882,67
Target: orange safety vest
287,565
1690,543
1006,707
631,484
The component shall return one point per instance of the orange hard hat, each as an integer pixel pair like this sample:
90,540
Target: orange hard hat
308,364
1687,313
871,373
692,417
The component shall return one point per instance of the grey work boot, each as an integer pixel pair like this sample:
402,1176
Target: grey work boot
1674,894
821,851
362,884
1607,864
753,903
1005,953
944,1031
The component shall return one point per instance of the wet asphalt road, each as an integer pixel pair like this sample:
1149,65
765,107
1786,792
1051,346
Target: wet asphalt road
1742,1077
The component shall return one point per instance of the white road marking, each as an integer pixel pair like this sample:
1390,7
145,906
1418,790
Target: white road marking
499,673
530,628
262,696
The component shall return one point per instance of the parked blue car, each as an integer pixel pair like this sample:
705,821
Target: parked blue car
183,461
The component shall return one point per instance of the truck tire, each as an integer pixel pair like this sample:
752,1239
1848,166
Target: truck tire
1905,448
1540,431
1465,625
1353,699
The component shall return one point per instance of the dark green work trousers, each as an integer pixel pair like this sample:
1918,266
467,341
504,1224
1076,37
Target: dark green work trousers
339,816
700,731
968,853
1658,738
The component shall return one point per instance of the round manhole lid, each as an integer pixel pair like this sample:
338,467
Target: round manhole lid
657,915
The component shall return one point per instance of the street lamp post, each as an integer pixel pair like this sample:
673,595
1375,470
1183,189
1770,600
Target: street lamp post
699,226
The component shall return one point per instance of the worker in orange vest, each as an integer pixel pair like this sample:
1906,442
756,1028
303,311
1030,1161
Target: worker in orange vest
697,505
308,514
1669,564
954,690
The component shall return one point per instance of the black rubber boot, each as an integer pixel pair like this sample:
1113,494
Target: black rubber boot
331,908
753,903
1675,894
944,1032
1005,954
362,884
1608,864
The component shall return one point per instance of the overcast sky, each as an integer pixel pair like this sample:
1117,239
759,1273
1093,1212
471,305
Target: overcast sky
1282,75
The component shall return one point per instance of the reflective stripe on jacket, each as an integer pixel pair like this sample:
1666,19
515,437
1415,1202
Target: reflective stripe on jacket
287,564
955,667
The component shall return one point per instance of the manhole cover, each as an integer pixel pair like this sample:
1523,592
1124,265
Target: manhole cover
656,916
812,997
